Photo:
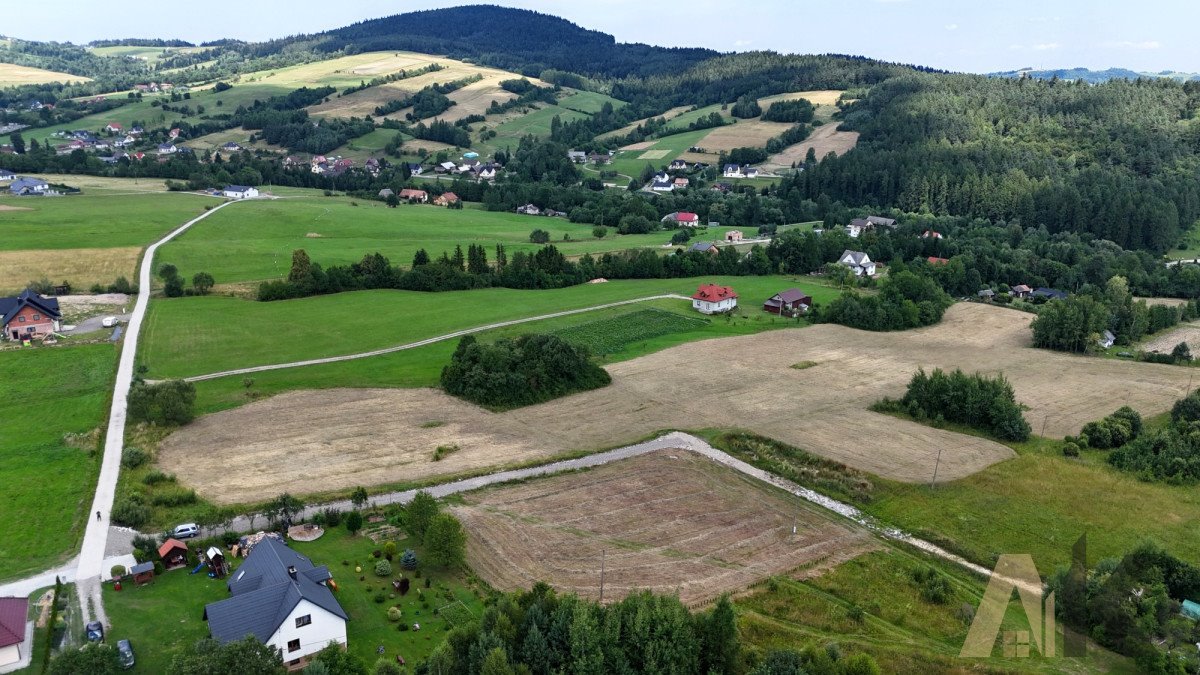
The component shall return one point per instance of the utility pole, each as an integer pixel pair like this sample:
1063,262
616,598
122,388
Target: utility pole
936,463
603,554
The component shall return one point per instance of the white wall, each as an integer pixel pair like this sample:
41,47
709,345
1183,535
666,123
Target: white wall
10,654
314,637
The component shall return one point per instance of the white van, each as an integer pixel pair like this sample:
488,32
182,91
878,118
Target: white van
186,531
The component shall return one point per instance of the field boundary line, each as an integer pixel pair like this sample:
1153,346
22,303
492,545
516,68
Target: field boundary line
427,341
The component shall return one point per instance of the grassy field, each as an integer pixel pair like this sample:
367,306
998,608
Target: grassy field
588,102
164,617
150,55
510,132
198,335
12,75
341,231
47,486
630,162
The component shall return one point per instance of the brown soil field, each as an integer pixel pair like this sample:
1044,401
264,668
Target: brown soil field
1165,342
313,441
670,521
824,139
745,134
83,266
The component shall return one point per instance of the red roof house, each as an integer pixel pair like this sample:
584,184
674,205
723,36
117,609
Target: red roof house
12,630
446,199
173,553
409,194
936,261
682,218
714,299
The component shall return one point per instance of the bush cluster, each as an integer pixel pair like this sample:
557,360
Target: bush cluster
1113,431
975,400
516,372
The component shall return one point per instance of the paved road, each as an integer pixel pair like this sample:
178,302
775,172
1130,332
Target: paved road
91,554
429,341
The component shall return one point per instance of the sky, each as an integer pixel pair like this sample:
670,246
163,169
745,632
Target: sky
963,35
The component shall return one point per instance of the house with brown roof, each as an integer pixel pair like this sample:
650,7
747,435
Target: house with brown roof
14,628
714,299
446,199
173,553
416,196
791,302
1020,291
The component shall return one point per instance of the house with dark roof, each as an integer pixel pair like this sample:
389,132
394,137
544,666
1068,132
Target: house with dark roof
1049,294
29,315
714,299
859,262
29,186
281,599
13,647
704,247
791,302
6,175
239,191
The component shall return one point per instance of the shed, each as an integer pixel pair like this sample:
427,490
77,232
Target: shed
143,573
792,301
216,562
173,553
987,294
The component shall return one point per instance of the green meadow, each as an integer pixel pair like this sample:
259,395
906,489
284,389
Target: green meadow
254,241
95,221
629,162
46,492
198,335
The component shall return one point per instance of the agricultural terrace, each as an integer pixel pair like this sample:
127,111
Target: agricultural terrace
85,239
670,521
254,241
12,75
376,437
191,336
49,432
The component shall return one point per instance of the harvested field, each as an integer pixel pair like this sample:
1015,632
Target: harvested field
824,140
745,134
668,521
12,75
1165,342
81,266
815,97
639,146
654,154
311,441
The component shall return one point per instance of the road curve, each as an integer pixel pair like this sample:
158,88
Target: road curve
95,537
428,341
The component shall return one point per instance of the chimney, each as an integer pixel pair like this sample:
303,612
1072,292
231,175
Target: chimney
292,571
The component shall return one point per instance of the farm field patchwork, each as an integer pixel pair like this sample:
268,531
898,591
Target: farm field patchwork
630,162
670,521
50,393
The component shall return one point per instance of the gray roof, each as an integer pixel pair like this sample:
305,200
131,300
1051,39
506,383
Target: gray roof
10,306
24,183
238,188
264,593
702,246
856,257
142,568
879,220
789,296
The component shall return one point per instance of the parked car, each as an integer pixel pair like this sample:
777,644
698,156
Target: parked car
125,654
108,321
95,631
186,531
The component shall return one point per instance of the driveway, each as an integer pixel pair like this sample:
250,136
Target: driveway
96,323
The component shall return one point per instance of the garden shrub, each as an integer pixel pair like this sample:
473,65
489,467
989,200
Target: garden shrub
383,568
132,458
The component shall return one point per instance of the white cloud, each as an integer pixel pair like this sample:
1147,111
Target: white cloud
1045,47
1129,44
742,43
951,26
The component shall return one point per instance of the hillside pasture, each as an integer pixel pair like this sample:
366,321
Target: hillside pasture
12,75
149,55
669,522
668,115
744,134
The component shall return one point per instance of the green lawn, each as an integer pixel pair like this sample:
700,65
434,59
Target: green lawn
588,102
95,221
254,241
509,133
198,335
163,618
629,162
47,487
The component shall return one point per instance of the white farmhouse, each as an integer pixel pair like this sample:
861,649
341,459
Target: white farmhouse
283,600
240,191
860,263
713,299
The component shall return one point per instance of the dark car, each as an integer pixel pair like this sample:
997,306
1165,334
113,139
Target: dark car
125,653
95,631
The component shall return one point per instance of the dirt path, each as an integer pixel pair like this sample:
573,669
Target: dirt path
432,340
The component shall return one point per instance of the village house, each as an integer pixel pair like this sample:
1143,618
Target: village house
372,166
932,234
600,158
713,299
281,599
704,247
733,171
986,295
446,199
411,195
678,165
113,127
1020,291
29,186
861,225
662,185
13,620
385,193
577,156
7,176
723,188
682,218
1049,294
415,169
167,149
860,263
529,210
681,182
239,191
790,302
734,236
231,147
174,133
934,260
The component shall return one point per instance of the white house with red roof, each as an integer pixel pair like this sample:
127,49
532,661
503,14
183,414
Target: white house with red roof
714,299
114,127
682,219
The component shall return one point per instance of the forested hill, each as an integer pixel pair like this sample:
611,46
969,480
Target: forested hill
1119,160
515,39
1094,76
